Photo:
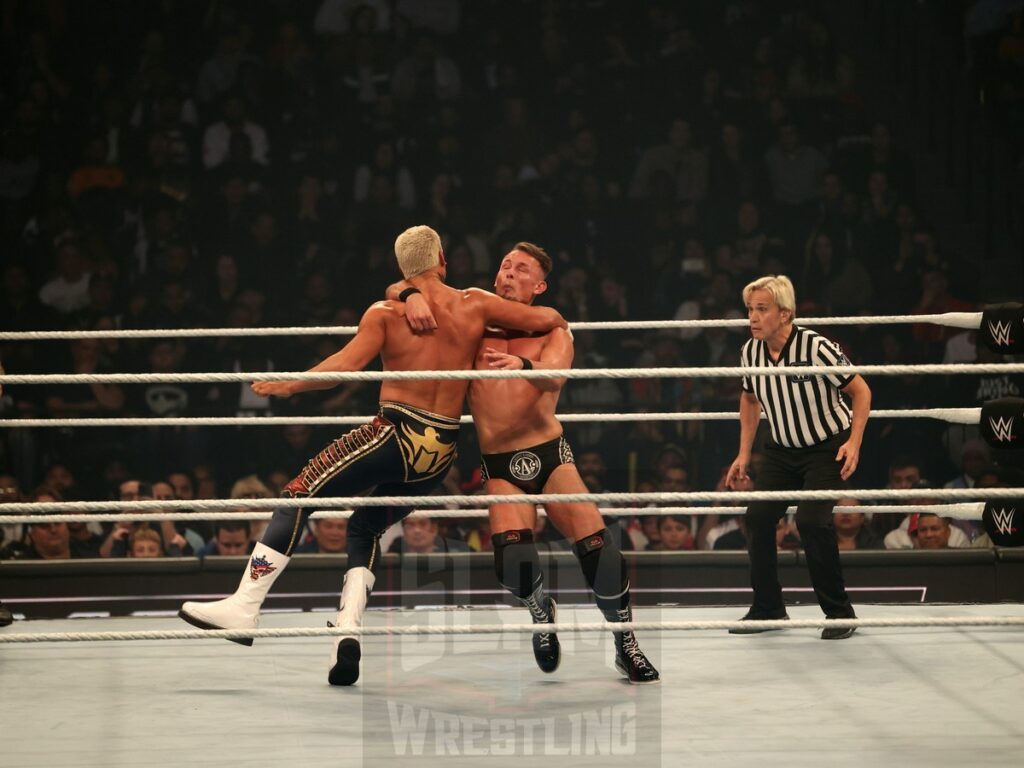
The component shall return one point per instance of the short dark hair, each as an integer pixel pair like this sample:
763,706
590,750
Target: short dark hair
538,253
231,525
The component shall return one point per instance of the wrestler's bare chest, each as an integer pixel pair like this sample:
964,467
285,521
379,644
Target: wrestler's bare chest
511,413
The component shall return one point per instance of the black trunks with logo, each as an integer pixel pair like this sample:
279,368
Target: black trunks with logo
527,469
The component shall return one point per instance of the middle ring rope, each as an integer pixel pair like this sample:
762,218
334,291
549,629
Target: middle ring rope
970,494
950,415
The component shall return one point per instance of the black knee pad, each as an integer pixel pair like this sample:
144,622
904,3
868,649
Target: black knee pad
604,568
516,562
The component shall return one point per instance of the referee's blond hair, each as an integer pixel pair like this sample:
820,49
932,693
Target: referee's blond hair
779,286
417,250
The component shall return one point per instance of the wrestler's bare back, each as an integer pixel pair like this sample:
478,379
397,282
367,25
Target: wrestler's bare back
510,414
461,317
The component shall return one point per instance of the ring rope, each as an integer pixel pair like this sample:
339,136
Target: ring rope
342,502
967,320
549,373
964,511
950,415
497,629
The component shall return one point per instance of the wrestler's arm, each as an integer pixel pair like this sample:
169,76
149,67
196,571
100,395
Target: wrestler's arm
512,314
417,309
354,356
556,354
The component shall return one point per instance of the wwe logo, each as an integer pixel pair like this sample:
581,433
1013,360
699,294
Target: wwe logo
1001,332
1002,428
1003,518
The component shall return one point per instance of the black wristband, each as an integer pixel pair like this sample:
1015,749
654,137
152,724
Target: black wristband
404,295
527,365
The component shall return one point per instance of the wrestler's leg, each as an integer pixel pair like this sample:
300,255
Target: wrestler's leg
357,460
365,528
603,567
517,566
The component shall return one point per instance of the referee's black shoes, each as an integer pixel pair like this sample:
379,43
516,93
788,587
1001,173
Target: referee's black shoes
6,617
758,616
838,633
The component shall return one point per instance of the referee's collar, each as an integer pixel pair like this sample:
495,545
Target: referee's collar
784,352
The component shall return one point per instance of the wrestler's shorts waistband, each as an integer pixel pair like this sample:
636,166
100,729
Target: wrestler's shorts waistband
547,445
436,420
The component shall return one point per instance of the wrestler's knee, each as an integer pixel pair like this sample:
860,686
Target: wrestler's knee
364,525
516,561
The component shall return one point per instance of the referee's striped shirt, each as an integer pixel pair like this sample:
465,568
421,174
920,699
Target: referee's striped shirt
801,410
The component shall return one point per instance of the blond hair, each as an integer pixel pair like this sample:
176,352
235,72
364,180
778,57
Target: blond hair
417,250
145,534
779,286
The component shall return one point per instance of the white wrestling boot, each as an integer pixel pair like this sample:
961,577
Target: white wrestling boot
345,651
242,609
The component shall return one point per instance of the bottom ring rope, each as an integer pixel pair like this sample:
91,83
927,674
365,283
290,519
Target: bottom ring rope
497,629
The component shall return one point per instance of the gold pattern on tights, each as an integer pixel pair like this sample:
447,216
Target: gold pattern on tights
424,453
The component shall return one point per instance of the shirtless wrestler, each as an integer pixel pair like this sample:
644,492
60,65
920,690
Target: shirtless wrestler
525,452
405,451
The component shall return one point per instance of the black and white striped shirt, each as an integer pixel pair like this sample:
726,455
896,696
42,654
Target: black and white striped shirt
802,410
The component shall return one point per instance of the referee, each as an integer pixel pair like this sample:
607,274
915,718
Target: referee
815,444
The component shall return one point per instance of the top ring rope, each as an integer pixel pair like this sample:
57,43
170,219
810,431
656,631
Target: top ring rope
951,415
966,320
551,373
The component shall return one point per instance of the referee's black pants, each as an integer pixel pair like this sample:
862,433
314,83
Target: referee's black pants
791,469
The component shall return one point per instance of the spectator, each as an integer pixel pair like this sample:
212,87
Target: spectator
686,167
231,538
851,531
330,536
419,536
251,487
42,541
235,127
118,540
675,533
930,532
68,291
385,163
904,474
905,535
426,77
145,542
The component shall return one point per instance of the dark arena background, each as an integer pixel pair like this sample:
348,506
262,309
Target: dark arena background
199,194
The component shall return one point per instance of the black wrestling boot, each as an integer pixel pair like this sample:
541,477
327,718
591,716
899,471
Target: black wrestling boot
6,617
346,662
629,659
759,616
546,649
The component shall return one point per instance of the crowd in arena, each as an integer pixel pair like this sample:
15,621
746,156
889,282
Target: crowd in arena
216,163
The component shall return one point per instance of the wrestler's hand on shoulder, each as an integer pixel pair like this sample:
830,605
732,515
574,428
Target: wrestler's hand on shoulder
275,388
501,360
418,314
